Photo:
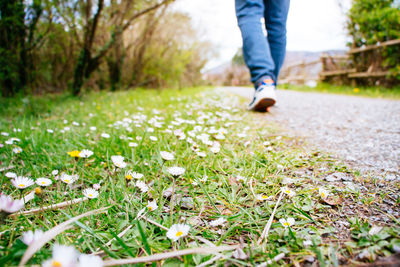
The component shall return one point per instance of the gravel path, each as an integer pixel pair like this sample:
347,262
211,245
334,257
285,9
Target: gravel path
364,132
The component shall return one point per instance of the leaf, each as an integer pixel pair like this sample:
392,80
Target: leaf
332,201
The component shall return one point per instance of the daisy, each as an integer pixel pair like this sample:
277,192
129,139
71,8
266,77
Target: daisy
11,175
132,144
54,172
287,222
167,155
92,128
152,205
85,260
85,153
142,186
9,205
43,182
201,154
215,149
62,256
68,179
118,161
217,222
96,186
177,231
17,150
262,197
30,237
21,182
153,138
50,131
176,171
136,175
74,153
105,135
288,192
90,193
323,192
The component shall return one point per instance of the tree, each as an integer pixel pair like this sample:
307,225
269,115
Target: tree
113,17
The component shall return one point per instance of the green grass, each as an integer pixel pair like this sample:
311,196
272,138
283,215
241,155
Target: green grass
373,92
260,154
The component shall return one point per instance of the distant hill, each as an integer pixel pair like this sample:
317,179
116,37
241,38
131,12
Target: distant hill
293,57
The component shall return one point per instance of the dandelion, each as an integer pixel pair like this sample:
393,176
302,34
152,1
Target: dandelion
217,222
17,150
90,193
287,222
85,153
11,175
262,197
288,192
118,161
323,192
176,171
74,154
30,236
68,179
177,231
85,260
43,182
21,182
62,256
167,155
152,205
142,186
9,205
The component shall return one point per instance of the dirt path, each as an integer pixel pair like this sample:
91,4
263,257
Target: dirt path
364,132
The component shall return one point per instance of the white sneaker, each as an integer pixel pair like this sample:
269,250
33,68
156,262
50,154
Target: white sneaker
264,97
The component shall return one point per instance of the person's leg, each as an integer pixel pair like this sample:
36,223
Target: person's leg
276,12
256,51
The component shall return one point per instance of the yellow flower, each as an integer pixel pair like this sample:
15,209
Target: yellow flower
356,90
38,190
74,154
128,177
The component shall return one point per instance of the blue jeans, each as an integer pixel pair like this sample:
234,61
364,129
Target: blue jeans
264,55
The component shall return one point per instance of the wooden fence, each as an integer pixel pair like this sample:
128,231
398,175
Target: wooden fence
363,65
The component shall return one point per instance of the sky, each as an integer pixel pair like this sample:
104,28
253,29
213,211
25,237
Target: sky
313,25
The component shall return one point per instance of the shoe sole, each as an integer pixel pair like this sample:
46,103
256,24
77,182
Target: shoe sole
264,104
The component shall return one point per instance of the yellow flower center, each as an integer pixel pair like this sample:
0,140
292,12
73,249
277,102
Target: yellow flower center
21,185
179,233
286,224
66,180
149,208
43,182
322,194
56,264
38,190
264,197
90,195
128,177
